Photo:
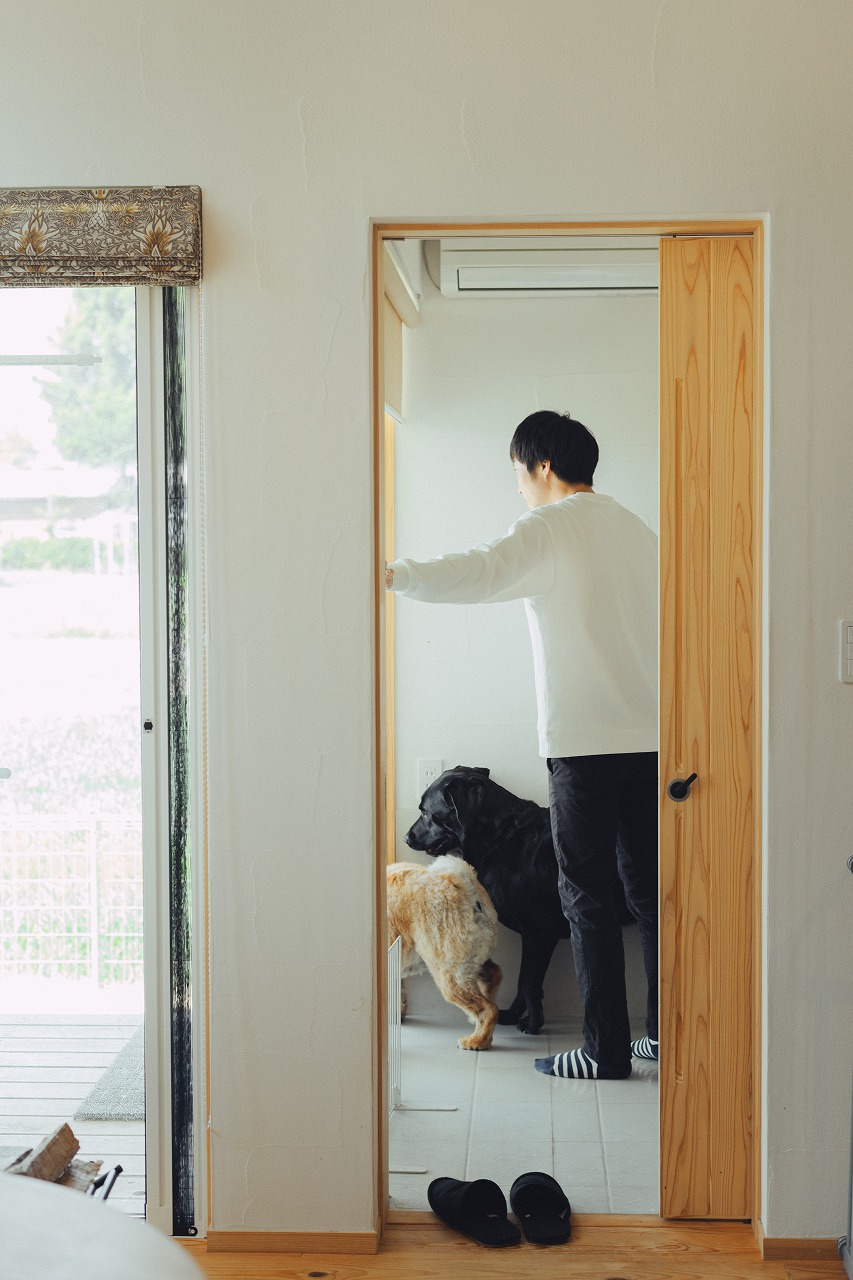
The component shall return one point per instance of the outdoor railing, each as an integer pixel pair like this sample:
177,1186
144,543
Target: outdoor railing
71,898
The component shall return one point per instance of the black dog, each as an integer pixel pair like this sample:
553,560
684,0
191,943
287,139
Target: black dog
508,842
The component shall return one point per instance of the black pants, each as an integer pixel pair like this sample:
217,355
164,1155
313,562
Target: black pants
604,818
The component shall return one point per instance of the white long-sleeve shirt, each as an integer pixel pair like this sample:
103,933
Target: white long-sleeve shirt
587,570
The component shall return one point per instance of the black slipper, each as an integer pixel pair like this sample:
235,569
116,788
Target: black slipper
476,1209
541,1206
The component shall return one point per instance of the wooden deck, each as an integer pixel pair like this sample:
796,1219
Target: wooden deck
48,1063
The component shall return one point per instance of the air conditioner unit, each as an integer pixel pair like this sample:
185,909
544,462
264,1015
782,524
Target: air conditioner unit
553,266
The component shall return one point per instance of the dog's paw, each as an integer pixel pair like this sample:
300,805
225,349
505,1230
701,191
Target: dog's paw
473,1042
530,1026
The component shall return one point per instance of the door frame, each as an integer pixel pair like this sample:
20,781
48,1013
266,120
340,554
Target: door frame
387,230
154,662
155,757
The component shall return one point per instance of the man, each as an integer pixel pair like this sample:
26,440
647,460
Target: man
586,569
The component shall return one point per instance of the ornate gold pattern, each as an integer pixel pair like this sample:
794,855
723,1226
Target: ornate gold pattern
100,235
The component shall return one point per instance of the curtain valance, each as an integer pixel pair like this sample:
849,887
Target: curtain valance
100,236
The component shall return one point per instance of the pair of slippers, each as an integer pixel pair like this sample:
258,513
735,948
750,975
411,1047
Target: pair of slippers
478,1209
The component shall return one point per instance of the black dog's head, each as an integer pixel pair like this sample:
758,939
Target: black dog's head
450,810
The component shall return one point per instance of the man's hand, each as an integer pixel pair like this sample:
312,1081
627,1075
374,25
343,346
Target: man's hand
389,577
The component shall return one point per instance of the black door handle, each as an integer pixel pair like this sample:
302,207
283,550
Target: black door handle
679,788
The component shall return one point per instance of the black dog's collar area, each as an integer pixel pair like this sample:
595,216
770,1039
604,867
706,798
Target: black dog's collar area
519,822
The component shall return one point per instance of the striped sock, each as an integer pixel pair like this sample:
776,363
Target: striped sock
575,1065
645,1048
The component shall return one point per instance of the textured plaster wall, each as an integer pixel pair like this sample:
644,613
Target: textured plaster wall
289,115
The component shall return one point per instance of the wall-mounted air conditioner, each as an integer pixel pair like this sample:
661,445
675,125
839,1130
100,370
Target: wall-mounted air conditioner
553,266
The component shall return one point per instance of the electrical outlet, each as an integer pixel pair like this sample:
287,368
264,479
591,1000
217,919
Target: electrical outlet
428,771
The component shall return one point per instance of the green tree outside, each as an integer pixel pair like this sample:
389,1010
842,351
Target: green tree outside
94,406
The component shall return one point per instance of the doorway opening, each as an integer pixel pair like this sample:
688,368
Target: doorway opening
710,405
507,327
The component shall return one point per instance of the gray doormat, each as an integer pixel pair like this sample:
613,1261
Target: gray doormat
120,1092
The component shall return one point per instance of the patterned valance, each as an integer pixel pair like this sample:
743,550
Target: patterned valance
100,236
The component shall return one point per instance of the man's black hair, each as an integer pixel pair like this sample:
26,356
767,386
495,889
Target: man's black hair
560,439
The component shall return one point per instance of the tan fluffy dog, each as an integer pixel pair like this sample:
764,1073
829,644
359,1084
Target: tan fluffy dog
444,918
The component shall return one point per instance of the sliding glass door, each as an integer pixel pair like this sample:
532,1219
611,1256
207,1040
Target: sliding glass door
71,861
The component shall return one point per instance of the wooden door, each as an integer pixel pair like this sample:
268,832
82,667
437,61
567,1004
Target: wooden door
709,725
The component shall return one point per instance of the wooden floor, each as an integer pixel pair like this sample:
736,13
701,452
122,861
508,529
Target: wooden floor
48,1063
689,1251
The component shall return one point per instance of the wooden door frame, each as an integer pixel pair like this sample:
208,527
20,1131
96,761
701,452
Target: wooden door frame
382,231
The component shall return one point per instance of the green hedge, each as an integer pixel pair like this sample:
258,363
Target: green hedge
76,554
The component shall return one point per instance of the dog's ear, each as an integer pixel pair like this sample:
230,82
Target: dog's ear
465,796
452,819
450,801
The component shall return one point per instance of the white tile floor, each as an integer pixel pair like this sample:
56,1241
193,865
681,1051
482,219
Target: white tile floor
598,1139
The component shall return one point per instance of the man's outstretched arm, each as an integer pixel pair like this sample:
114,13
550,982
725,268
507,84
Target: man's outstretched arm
519,564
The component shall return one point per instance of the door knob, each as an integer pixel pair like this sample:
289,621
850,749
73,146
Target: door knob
679,788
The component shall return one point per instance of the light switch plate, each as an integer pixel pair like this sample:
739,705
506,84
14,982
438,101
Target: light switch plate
428,771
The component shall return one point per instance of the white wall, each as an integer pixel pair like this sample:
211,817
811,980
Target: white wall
464,676
284,114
